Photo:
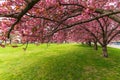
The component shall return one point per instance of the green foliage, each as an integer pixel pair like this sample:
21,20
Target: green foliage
58,62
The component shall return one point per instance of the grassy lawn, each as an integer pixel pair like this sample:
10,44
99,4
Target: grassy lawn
58,62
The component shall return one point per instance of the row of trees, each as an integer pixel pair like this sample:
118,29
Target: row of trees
41,21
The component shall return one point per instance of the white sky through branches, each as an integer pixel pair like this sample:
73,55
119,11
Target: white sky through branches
1,1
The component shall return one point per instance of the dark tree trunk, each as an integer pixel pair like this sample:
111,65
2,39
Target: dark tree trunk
10,40
82,43
5,42
95,46
89,43
104,49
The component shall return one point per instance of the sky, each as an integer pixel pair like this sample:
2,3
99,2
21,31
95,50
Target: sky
1,1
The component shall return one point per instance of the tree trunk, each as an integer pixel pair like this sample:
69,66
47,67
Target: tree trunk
82,43
10,40
89,43
104,49
95,46
5,42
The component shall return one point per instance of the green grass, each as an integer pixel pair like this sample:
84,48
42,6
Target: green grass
58,62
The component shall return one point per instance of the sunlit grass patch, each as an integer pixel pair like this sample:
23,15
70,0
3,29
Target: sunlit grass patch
58,62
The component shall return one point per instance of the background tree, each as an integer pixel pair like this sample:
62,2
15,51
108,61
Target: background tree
106,31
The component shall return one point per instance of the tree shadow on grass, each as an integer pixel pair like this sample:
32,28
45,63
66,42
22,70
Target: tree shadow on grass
76,64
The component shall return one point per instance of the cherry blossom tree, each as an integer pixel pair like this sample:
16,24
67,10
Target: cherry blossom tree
42,20
103,31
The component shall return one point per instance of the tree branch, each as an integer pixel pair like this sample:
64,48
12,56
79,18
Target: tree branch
27,8
118,32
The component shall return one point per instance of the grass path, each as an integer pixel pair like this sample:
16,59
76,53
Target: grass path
58,62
